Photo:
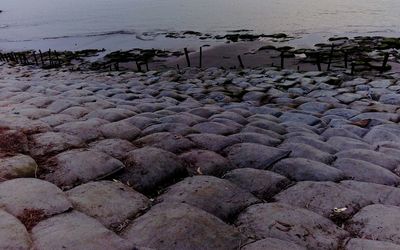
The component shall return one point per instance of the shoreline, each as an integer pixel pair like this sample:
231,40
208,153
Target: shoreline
337,53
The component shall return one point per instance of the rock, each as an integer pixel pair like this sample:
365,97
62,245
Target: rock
205,162
149,168
214,128
300,169
13,234
321,145
116,148
376,193
75,230
393,99
86,130
180,226
216,196
18,166
341,143
261,183
212,142
110,114
252,155
75,167
272,243
300,150
366,244
174,143
378,158
120,130
109,202
289,223
368,172
255,138
376,222
323,198
299,118
51,143
25,196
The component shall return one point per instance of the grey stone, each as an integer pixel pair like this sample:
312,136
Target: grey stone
290,223
199,162
262,183
75,230
148,168
365,171
13,234
252,155
216,196
300,169
180,226
376,222
75,167
323,198
273,244
111,203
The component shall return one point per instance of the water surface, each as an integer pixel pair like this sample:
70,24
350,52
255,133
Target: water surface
113,24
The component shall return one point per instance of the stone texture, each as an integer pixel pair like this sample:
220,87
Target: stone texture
75,230
216,196
76,167
148,168
180,226
263,184
252,155
109,202
290,223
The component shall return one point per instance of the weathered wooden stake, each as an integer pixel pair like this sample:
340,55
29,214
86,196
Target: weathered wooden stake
319,62
240,61
58,62
385,60
25,59
41,57
147,65
201,57
330,58
50,59
353,68
35,58
139,68
187,57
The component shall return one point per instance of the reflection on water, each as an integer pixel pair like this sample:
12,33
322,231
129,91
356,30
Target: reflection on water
108,23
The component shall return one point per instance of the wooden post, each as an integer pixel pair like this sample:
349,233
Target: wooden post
116,66
50,59
385,60
139,68
353,68
58,62
187,57
345,59
147,65
35,58
330,58
319,62
282,60
201,57
41,57
240,61
25,59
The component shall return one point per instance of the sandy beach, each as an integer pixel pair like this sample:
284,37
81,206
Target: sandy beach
198,159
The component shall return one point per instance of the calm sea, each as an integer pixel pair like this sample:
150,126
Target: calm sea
114,24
